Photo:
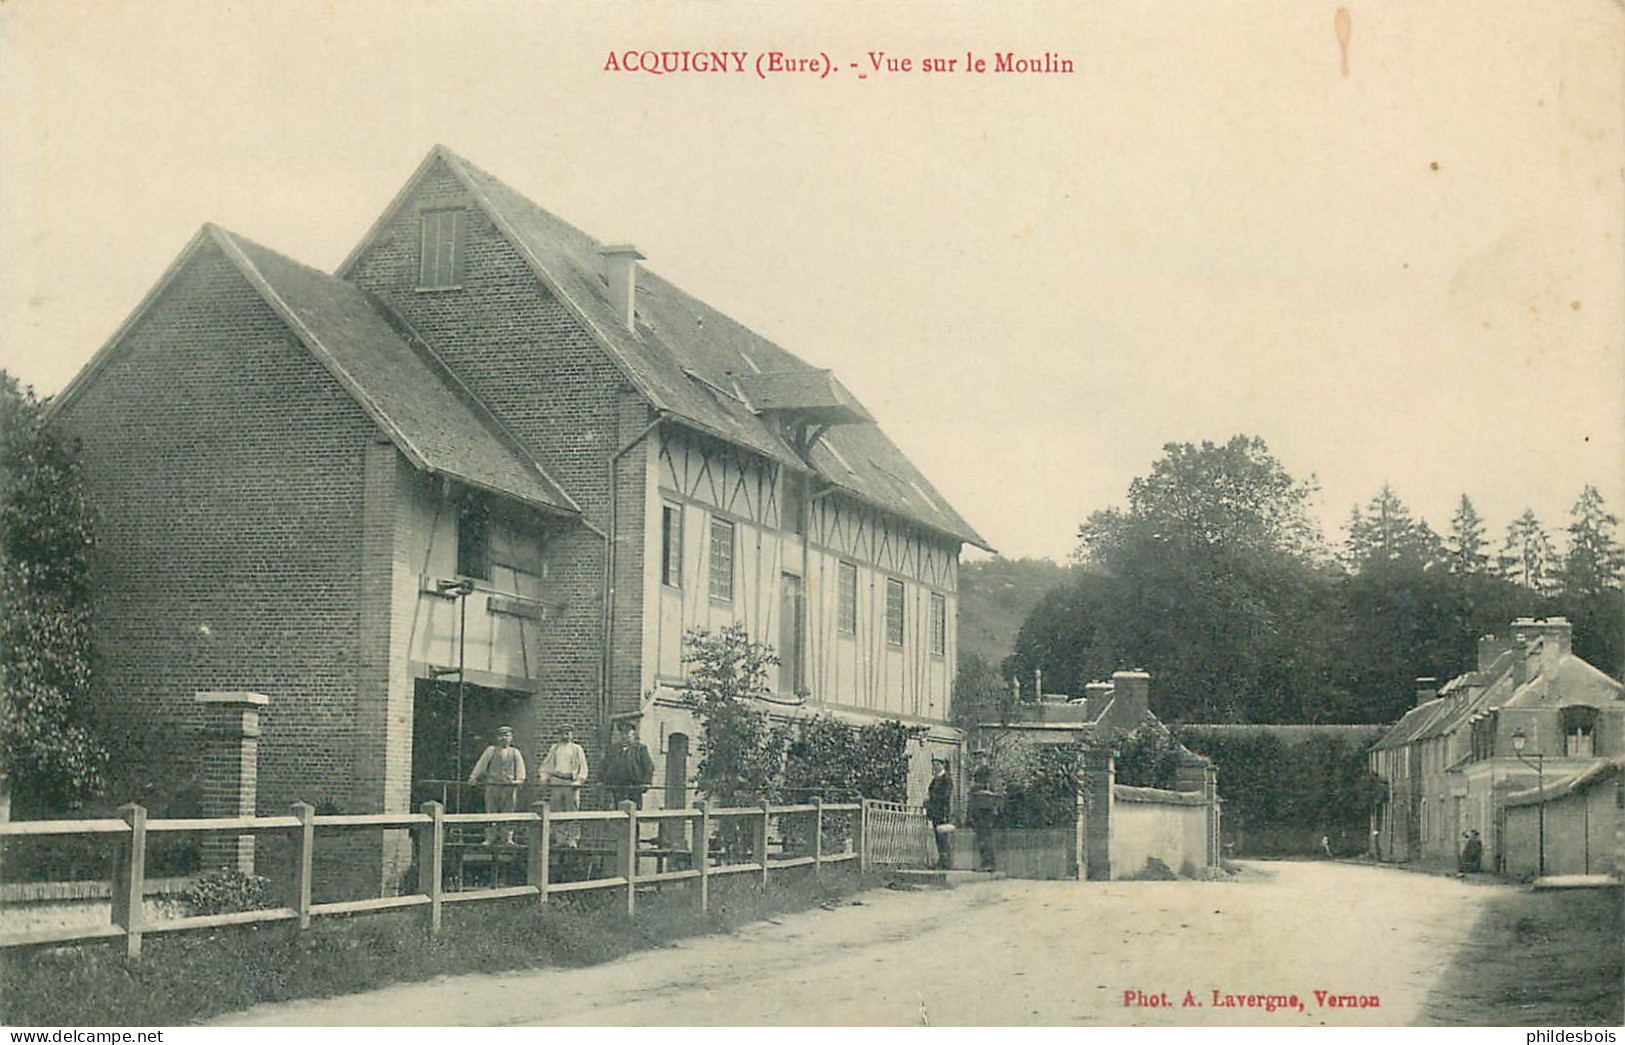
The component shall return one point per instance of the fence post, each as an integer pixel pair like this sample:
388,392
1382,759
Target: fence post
761,840
862,832
129,880
541,849
818,835
702,853
431,861
304,860
628,847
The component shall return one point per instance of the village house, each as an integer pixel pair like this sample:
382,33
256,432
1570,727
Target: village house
491,471
1474,750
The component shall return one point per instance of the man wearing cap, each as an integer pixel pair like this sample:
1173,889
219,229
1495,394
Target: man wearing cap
628,769
564,773
500,770
939,798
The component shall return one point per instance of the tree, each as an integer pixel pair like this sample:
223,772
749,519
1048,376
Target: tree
46,542
1594,561
1528,558
744,749
1464,549
1236,496
1385,536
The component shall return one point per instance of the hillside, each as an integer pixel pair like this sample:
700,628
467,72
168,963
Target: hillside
995,596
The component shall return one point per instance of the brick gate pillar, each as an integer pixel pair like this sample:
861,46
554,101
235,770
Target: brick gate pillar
231,726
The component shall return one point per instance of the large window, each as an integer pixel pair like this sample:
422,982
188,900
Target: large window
894,612
474,537
671,545
939,625
440,265
722,560
846,594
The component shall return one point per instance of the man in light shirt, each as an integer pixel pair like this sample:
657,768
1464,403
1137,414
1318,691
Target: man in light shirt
564,772
501,770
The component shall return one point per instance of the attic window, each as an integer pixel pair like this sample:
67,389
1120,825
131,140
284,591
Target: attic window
440,266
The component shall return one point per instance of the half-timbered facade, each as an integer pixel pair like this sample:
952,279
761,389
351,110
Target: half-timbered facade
489,471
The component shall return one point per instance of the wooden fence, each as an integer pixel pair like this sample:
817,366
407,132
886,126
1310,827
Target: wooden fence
625,857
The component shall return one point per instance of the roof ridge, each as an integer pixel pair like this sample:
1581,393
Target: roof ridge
420,344
232,248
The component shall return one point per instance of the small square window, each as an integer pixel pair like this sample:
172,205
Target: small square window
846,617
440,264
671,545
894,612
722,560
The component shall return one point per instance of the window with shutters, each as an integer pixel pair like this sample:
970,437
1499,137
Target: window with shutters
846,617
440,265
722,560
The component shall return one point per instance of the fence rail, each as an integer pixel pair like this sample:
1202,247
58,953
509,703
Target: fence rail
699,844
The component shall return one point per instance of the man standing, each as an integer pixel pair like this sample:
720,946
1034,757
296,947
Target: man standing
939,798
628,769
984,810
564,772
501,771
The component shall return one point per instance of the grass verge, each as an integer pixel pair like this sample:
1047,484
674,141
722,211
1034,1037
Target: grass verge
1539,959
185,978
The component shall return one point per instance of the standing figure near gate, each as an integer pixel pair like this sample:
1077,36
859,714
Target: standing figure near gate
501,771
564,773
984,810
939,798
628,769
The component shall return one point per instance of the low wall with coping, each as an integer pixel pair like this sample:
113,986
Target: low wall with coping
1148,823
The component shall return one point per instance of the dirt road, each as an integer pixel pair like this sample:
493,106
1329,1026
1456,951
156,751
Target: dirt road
1001,953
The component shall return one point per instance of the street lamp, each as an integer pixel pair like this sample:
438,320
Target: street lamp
460,589
1519,741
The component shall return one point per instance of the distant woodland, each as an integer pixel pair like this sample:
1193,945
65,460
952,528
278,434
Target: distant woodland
1216,580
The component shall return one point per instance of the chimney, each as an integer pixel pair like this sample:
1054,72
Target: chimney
620,270
1427,687
1490,649
1556,642
1131,698
1097,693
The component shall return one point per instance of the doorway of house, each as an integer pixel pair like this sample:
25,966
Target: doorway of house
438,773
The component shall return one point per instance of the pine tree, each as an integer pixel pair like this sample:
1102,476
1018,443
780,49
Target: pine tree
1386,535
1465,547
1528,558
1594,562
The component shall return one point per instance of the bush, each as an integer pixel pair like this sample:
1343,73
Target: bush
227,891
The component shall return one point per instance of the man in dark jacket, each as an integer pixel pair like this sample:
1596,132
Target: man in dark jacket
939,799
984,810
628,769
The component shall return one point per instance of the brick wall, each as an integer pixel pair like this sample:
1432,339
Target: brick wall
227,469
525,355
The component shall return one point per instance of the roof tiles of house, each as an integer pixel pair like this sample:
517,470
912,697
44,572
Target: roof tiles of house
408,392
684,355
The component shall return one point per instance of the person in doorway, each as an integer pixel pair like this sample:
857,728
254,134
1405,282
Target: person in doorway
984,810
563,773
501,772
939,798
628,769
1472,854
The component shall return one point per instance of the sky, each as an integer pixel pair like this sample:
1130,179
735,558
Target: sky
1410,273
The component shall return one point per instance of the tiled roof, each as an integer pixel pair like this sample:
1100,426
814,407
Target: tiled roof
684,355
404,389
